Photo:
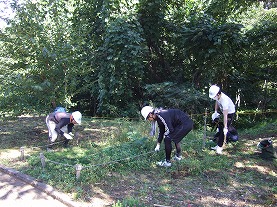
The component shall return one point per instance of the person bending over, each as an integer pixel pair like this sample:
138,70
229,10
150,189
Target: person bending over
174,125
61,123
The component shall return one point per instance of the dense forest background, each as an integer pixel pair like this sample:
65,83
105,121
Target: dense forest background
109,57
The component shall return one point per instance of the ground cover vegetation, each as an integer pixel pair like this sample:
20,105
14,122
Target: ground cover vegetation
119,164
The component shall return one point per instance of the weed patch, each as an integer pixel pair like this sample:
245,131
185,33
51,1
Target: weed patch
119,165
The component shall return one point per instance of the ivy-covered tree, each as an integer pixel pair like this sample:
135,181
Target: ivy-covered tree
120,61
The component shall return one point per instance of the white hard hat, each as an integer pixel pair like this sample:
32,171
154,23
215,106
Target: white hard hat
213,91
146,110
77,116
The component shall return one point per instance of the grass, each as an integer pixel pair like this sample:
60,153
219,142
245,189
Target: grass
119,165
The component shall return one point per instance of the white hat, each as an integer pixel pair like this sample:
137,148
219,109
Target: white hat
77,116
146,110
213,91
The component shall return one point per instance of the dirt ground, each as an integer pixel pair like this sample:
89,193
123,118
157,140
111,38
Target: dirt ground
15,192
210,189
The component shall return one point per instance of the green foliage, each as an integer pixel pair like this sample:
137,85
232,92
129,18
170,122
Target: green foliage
182,96
120,67
222,10
39,53
261,72
128,202
255,123
171,95
99,56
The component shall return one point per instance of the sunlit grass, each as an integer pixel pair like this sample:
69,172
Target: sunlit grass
114,150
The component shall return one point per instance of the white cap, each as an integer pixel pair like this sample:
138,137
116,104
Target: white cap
213,91
77,116
146,110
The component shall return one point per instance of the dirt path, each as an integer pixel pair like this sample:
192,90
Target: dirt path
17,189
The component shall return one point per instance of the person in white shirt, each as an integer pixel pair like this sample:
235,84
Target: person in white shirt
227,107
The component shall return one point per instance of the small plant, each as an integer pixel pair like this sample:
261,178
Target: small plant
128,202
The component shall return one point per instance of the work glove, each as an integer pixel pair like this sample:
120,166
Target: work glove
71,134
225,131
157,148
67,136
215,115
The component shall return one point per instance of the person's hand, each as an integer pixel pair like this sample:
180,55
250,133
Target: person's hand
67,136
215,115
71,134
157,148
225,131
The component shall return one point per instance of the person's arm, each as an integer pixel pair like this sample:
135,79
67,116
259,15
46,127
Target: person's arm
216,106
161,134
69,127
159,140
63,122
225,119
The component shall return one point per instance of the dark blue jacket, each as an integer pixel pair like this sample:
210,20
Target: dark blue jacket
170,121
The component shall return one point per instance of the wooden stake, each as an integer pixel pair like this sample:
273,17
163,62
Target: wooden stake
78,168
22,153
42,159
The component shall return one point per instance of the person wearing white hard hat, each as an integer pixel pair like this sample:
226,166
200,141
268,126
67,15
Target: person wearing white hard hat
61,123
174,125
227,107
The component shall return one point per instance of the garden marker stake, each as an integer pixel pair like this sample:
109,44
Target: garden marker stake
42,159
78,168
22,153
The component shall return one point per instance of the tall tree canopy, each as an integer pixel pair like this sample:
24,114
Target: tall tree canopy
106,57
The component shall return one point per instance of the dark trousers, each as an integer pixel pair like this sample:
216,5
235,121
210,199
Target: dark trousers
179,133
230,119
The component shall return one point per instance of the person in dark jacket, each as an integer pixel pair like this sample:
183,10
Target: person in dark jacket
174,125
61,123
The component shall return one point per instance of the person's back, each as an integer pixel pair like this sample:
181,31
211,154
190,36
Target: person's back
226,103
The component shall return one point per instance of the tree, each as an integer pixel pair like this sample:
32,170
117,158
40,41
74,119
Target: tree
259,74
104,57
37,45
